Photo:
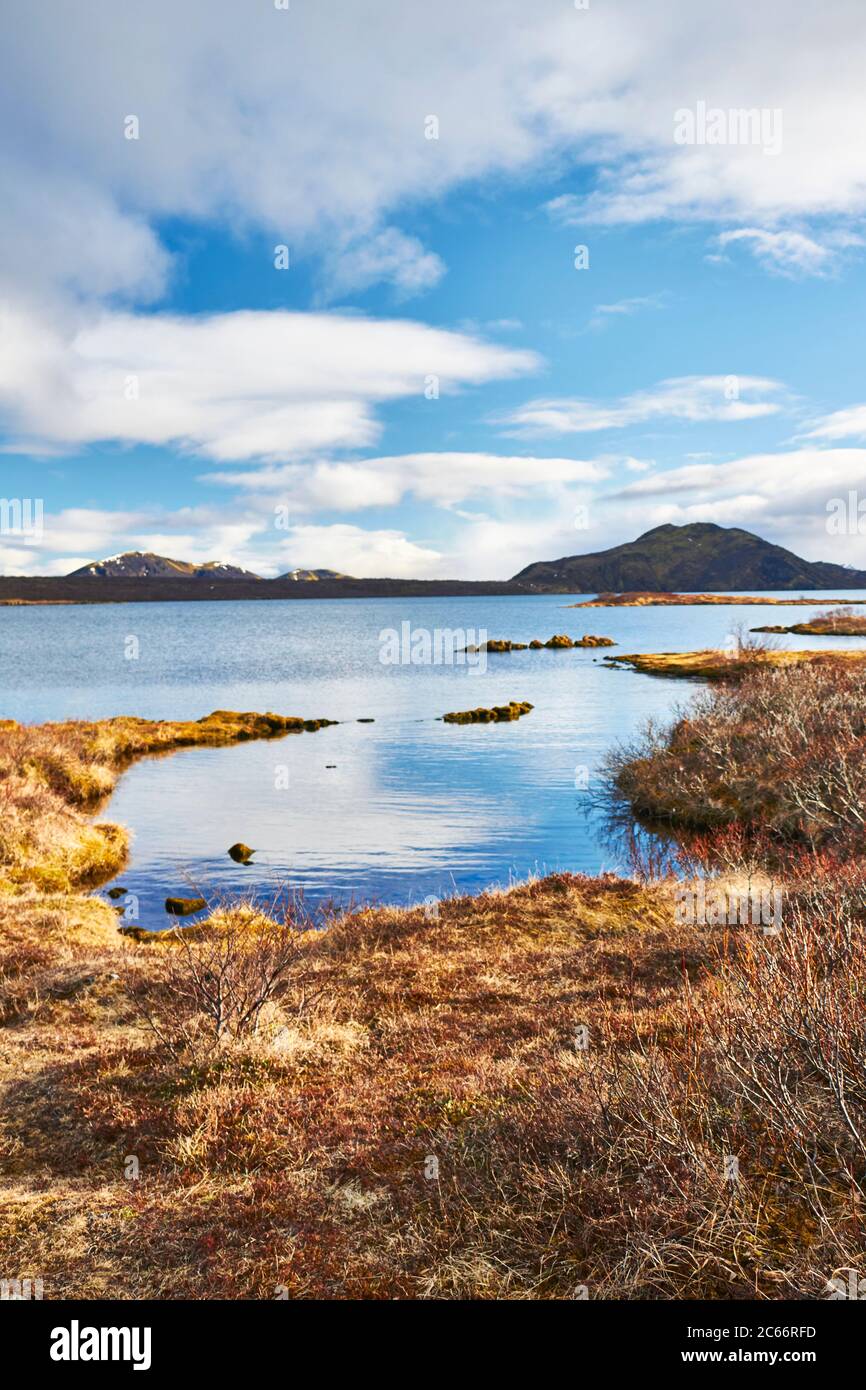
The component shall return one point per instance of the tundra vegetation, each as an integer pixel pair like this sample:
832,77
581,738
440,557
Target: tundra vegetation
498,714
723,665
559,1091
778,754
838,622
649,599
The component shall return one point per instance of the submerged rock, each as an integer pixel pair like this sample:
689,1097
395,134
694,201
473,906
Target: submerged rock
117,892
183,907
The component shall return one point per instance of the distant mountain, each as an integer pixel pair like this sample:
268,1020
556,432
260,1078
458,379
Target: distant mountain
313,576
139,564
686,559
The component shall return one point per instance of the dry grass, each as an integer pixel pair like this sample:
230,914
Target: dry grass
533,1092
724,665
838,622
520,1095
298,1156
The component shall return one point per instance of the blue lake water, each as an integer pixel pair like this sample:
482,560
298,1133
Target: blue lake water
395,811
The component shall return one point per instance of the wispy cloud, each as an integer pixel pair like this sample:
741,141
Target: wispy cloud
602,314
443,479
849,423
389,255
690,399
231,387
788,253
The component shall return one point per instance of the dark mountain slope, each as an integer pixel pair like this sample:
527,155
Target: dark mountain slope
140,564
700,556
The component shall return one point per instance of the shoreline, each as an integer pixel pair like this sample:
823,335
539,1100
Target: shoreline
58,775
44,591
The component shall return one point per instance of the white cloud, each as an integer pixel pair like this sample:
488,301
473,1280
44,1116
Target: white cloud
309,123
775,477
444,479
849,423
89,530
498,548
630,306
789,253
379,554
783,497
232,387
388,255
688,398
63,232
602,314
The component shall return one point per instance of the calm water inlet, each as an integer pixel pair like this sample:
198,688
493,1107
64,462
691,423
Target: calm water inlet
396,810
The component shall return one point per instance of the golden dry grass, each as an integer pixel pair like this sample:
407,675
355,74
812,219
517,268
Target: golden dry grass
299,1158
723,665
839,622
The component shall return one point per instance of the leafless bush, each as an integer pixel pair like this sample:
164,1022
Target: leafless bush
737,1139
782,753
212,983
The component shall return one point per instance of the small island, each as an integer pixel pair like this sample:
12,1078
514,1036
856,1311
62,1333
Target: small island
836,623
649,599
724,665
559,642
498,714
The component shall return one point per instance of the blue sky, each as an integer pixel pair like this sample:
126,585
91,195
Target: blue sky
163,385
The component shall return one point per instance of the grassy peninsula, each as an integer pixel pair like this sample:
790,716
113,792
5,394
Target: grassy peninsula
725,665
651,599
837,623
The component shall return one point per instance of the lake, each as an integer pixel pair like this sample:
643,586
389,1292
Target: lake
395,811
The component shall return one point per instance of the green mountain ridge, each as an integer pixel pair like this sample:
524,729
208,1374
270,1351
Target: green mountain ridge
686,559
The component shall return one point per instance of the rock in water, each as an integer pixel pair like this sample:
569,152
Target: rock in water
241,853
182,907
